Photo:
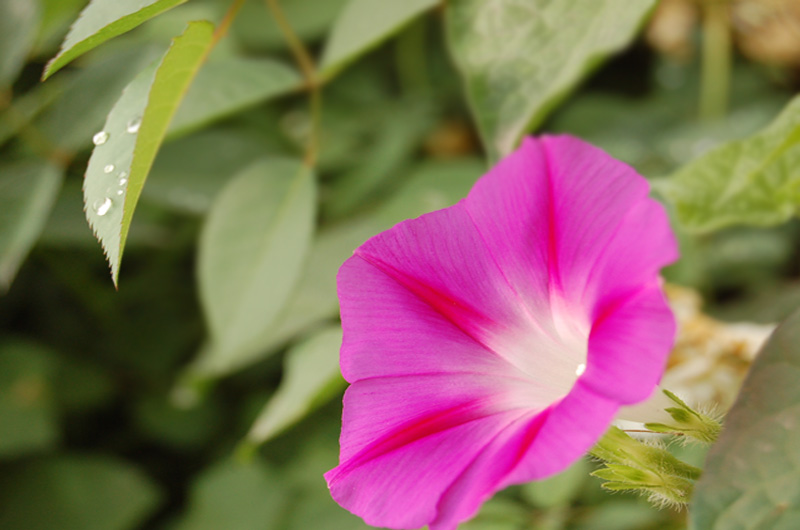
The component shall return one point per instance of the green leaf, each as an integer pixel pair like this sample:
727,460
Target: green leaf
191,171
430,186
753,181
235,496
18,23
82,104
310,377
558,490
310,19
229,85
27,106
520,58
363,25
392,147
102,20
752,475
27,409
251,252
127,145
28,190
86,493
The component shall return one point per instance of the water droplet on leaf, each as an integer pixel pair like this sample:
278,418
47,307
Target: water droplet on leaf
134,124
123,180
109,168
100,138
102,206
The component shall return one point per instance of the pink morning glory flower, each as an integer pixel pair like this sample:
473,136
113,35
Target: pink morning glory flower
493,342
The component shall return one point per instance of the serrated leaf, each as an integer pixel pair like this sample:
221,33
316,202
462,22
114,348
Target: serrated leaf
226,86
751,479
519,58
251,252
130,139
18,23
81,105
28,190
753,181
310,377
236,496
102,20
90,493
363,25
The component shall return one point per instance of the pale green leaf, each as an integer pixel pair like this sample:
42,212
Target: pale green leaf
751,181
250,255
520,58
102,20
227,86
364,24
310,376
28,190
18,23
75,492
560,489
751,479
127,145
235,496
83,98
190,171
431,186
26,107
256,27
27,407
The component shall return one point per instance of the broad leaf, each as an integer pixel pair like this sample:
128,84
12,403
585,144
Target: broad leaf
236,496
430,186
28,191
519,58
226,86
752,476
364,24
90,493
251,252
27,407
127,145
189,172
102,20
18,24
310,377
753,181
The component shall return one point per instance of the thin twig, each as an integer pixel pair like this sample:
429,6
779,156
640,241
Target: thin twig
225,24
309,71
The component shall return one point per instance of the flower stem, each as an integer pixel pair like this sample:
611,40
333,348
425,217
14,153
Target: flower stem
309,71
716,60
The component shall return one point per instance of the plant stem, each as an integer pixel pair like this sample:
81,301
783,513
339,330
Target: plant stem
716,61
225,24
309,71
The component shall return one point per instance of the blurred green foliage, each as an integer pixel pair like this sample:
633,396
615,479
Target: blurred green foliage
131,408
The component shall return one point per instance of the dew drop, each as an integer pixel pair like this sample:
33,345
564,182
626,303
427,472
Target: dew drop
100,138
122,180
102,206
109,168
134,124
119,192
580,369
